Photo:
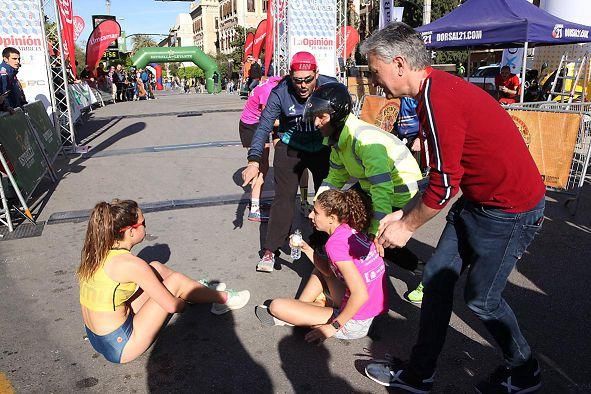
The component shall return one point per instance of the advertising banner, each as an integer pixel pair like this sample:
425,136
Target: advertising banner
313,27
248,44
67,22
101,37
350,34
551,139
48,135
81,97
259,38
23,152
21,28
269,41
78,26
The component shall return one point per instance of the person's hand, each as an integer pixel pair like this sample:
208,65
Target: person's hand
390,218
303,245
416,145
394,235
250,173
379,248
10,110
320,334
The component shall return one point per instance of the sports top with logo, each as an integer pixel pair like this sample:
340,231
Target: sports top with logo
346,244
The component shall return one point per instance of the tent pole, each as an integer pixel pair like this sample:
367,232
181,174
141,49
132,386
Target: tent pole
468,65
523,69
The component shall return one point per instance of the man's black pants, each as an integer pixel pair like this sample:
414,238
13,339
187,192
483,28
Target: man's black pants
288,167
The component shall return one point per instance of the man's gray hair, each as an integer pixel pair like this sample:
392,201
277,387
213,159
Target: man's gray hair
398,39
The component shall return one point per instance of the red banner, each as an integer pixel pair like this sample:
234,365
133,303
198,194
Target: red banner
269,42
248,44
352,39
78,26
66,20
101,37
259,38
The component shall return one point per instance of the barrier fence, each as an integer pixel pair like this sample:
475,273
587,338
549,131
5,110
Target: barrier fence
29,145
559,137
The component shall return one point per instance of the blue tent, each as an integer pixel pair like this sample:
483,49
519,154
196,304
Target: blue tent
479,24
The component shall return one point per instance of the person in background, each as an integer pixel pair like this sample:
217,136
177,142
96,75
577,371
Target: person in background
9,83
507,85
249,122
254,75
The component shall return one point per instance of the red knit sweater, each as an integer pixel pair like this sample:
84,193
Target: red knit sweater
472,144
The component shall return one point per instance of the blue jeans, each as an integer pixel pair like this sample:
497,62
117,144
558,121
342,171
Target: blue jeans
488,242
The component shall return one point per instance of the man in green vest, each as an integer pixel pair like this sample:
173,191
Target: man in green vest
382,164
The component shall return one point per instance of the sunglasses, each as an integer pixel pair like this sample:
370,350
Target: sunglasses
299,81
134,226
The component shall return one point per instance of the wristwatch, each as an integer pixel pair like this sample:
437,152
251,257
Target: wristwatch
335,323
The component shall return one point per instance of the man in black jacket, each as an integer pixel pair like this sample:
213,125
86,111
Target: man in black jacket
254,75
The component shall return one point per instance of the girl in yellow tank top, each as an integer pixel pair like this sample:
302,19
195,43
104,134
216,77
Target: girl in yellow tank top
118,289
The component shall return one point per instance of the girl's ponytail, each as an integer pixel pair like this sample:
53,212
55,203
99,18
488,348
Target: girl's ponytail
103,230
352,207
359,209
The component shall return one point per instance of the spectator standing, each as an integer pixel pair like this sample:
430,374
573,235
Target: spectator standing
254,75
11,63
119,80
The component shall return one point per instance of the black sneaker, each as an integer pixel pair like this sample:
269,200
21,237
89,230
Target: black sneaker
520,380
389,375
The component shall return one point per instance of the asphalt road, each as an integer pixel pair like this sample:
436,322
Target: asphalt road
183,148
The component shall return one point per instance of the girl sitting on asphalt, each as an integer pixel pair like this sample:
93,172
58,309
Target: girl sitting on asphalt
126,301
352,278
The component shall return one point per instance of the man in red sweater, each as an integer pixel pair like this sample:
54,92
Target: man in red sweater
469,143
507,85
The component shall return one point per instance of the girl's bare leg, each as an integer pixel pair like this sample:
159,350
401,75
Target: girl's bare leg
150,317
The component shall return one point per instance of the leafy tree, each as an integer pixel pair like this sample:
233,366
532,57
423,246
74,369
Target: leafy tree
413,16
80,58
141,41
190,72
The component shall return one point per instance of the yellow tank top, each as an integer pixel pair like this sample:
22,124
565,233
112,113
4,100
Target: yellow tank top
101,293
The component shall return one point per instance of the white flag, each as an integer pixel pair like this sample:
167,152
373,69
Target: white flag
389,13
513,57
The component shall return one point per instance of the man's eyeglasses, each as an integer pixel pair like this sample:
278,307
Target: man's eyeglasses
306,80
134,226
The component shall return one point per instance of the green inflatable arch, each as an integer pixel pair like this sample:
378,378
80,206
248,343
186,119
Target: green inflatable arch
144,56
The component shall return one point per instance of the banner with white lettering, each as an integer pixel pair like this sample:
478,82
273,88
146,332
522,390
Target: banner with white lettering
513,57
23,31
389,13
313,26
67,21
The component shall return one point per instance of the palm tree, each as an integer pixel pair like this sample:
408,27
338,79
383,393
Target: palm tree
141,41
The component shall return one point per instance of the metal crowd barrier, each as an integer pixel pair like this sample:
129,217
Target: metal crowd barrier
582,152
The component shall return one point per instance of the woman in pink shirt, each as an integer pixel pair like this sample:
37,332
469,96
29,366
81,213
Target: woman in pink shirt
347,290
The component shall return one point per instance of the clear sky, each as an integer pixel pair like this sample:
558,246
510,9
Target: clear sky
140,16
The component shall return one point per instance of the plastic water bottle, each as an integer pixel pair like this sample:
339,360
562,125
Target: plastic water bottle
296,245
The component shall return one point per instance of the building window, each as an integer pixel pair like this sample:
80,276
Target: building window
250,6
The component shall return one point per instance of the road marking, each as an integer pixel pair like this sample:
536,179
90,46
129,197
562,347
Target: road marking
5,385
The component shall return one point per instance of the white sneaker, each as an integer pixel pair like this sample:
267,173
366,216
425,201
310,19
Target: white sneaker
236,300
213,285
